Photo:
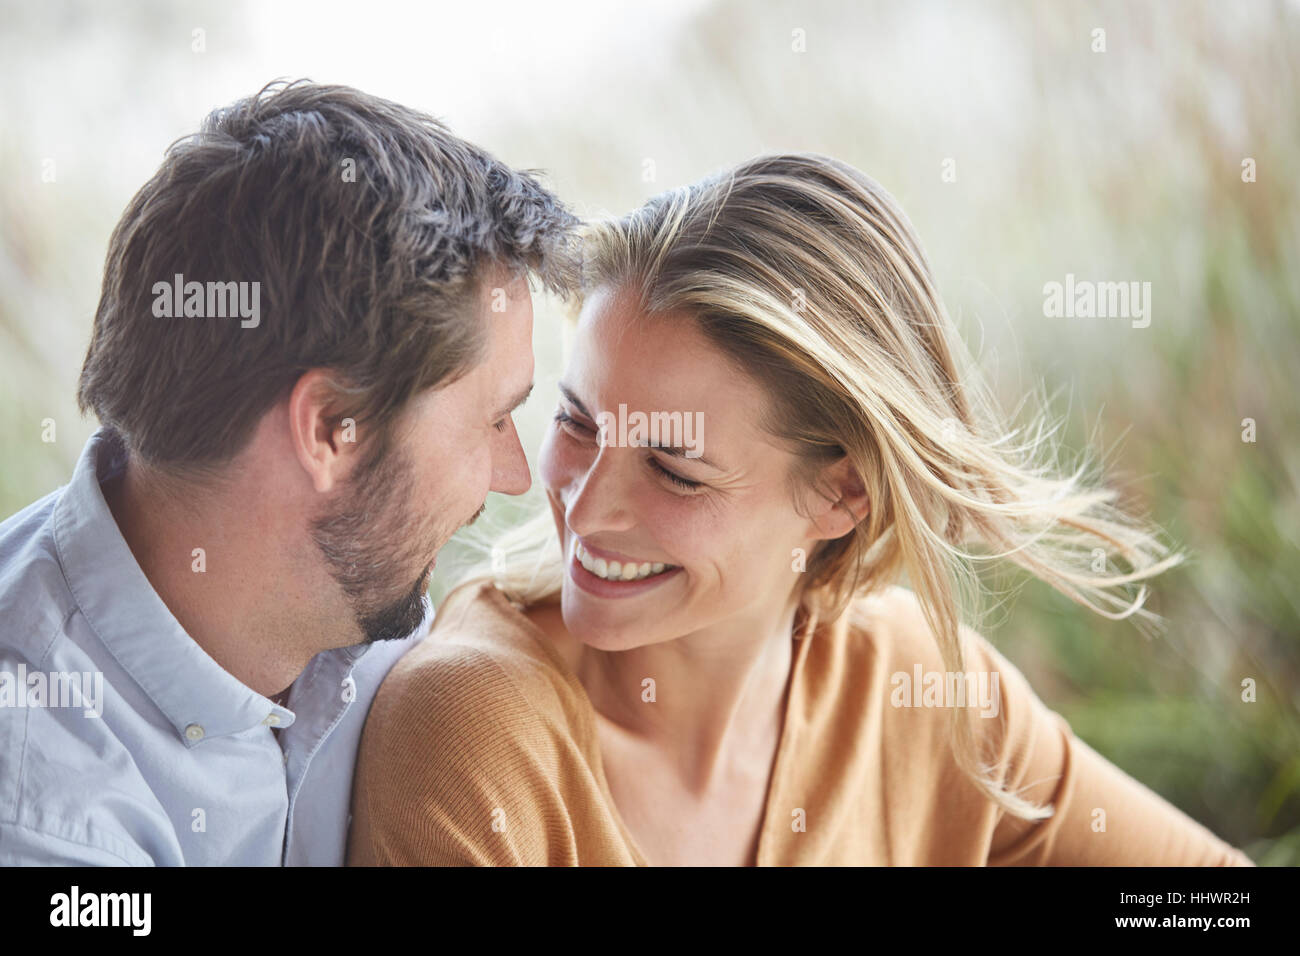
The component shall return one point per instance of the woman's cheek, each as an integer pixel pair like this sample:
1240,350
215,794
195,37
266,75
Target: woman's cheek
686,528
556,463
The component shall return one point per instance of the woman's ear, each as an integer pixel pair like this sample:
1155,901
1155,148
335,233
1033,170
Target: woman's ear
842,503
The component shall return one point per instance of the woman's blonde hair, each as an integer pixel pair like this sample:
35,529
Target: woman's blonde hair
806,273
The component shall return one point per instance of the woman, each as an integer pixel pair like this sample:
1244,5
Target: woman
722,668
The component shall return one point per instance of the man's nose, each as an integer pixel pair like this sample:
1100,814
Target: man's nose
510,474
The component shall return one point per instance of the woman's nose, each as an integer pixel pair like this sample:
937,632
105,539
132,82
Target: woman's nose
602,498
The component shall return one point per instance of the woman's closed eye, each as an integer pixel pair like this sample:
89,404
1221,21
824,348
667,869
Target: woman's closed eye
683,483
571,425
582,431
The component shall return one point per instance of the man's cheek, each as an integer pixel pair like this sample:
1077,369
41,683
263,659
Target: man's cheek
481,469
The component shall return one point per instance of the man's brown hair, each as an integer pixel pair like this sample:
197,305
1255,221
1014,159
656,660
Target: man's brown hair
368,226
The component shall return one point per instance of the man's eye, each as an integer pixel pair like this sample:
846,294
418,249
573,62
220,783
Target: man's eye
501,425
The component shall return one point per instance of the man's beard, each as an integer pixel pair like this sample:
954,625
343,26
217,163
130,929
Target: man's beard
367,542
399,618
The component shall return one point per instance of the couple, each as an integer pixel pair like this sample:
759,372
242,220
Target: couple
701,655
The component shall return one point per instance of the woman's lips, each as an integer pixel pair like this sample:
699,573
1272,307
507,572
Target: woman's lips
602,587
604,553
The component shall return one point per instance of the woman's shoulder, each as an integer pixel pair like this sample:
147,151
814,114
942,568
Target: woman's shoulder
893,623
891,639
482,664
851,663
886,649
887,626
468,751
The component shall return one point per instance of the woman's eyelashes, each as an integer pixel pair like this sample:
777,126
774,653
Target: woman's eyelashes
582,431
676,479
574,427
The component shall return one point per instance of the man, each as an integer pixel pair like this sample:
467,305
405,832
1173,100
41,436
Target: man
315,323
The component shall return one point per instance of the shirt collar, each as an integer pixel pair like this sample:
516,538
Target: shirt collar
198,696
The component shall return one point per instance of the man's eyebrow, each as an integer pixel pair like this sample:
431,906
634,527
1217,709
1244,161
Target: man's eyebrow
515,403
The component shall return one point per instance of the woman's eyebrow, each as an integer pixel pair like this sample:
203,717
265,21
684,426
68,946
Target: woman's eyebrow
676,451
573,400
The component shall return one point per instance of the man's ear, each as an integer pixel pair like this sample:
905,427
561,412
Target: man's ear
841,502
316,431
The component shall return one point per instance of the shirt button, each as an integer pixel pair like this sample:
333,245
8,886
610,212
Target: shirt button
194,732
272,720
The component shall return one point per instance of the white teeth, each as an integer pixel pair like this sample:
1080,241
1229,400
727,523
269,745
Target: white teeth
617,570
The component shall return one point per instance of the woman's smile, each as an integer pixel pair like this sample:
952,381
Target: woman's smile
610,574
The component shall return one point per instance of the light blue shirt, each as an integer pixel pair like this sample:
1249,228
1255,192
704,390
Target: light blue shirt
123,742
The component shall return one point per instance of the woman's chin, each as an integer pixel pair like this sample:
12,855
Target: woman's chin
603,628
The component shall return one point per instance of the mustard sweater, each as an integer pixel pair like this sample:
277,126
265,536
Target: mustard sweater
481,749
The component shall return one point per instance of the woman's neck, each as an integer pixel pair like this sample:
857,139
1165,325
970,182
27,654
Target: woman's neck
710,699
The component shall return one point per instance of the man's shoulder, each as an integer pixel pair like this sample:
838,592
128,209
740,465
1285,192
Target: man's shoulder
28,530
70,788
73,795
34,594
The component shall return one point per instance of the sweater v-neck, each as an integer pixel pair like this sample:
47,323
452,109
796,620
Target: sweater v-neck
790,727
